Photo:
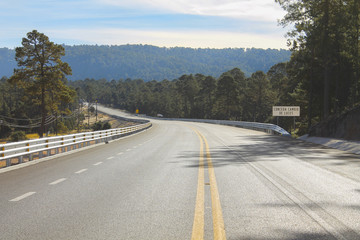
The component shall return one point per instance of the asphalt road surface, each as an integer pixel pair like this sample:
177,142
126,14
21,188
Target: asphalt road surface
182,180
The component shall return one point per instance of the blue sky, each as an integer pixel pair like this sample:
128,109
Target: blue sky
185,23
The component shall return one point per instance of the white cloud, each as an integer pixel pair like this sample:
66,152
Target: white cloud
239,23
194,39
261,10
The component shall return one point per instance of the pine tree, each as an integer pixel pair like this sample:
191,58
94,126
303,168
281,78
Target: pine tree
41,74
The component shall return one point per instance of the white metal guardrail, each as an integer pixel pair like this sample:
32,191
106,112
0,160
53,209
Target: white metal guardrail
263,127
24,151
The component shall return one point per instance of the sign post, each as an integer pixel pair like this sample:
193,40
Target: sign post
286,111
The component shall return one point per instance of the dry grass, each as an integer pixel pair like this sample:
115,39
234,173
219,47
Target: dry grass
32,136
2,164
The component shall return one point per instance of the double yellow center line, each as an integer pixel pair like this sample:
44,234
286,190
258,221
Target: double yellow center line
218,221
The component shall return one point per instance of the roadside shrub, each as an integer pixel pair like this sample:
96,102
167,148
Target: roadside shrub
101,126
5,131
18,136
106,125
61,128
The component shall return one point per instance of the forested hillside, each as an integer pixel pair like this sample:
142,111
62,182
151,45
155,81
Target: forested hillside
231,96
7,62
155,63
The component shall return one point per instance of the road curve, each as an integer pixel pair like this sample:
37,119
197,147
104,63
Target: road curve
182,180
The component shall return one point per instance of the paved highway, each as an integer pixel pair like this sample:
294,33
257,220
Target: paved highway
182,180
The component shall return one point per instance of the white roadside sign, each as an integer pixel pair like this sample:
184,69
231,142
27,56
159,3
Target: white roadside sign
286,111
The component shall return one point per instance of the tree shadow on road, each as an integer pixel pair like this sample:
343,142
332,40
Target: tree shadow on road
293,235
266,148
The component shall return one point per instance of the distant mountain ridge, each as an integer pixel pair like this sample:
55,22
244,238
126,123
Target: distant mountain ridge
155,63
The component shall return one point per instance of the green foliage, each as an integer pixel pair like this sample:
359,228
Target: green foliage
106,125
324,68
41,75
231,96
227,97
259,97
18,136
150,62
101,126
92,109
5,131
62,128
37,89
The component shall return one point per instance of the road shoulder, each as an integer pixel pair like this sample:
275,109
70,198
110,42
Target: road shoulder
340,144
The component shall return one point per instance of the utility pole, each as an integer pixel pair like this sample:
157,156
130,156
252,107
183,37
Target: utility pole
96,111
88,114
78,116
56,124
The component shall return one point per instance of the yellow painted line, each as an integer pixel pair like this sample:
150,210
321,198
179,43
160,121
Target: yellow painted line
218,221
198,225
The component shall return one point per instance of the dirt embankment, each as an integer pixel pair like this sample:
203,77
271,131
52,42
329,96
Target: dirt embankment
345,126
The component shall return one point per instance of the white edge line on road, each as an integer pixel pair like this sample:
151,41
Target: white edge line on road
98,163
81,171
22,197
128,150
120,153
110,158
57,181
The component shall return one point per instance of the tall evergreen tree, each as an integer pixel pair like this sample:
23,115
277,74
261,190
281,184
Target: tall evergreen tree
325,44
207,95
227,97
259,96
41,73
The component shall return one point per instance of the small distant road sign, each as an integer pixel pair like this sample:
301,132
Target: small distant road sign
137,111
286,111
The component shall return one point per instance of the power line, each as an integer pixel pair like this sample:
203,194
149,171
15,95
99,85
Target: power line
20,119
49,119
